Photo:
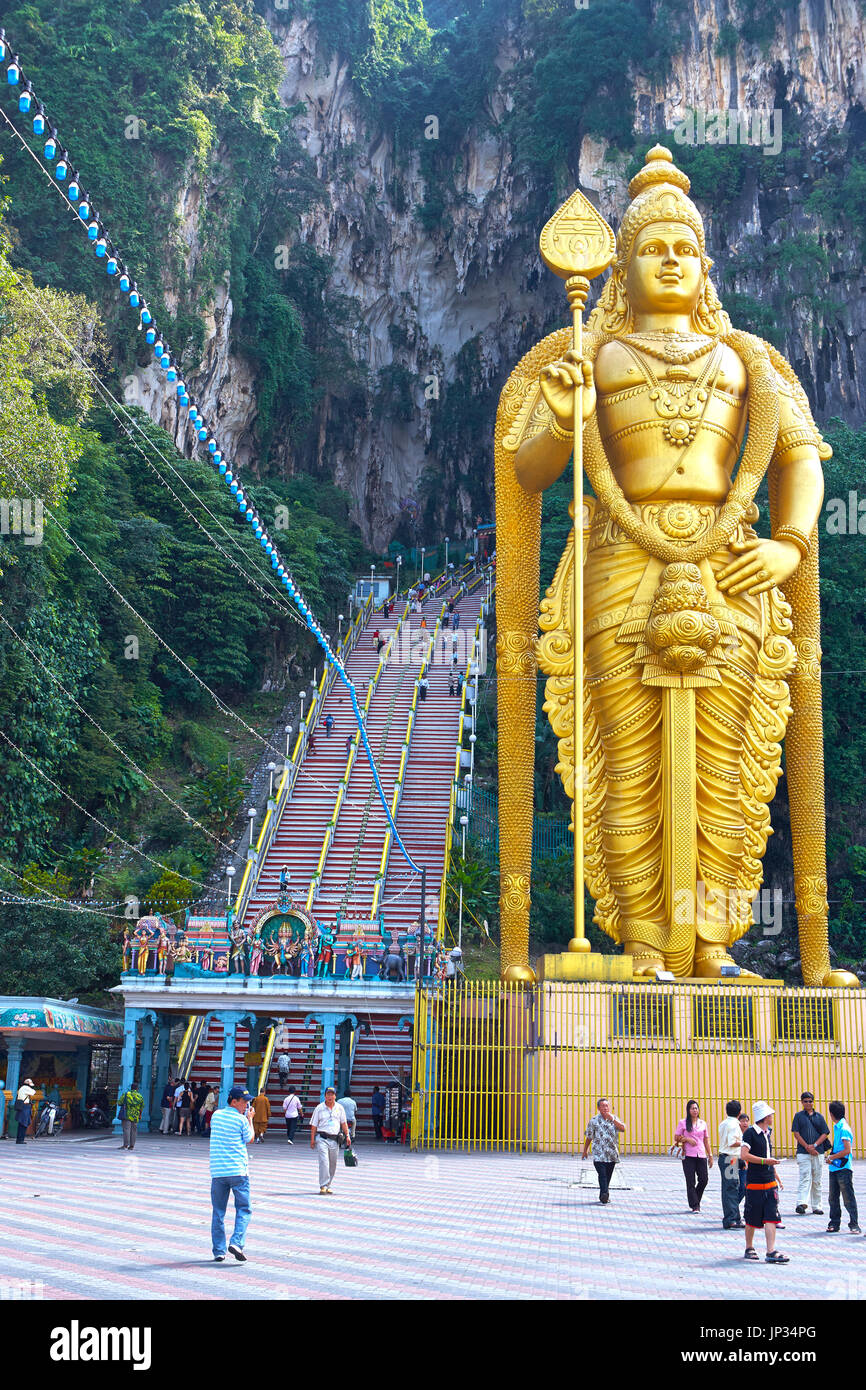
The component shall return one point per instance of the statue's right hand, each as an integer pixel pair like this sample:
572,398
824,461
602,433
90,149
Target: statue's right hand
558,383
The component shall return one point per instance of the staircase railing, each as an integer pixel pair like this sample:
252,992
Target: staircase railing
331,828
291,771
267,1058
401,774
452,807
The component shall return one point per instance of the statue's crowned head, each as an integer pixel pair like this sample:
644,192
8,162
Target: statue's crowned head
659,199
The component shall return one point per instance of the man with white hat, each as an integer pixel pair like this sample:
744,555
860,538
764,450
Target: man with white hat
24,1108
761,1208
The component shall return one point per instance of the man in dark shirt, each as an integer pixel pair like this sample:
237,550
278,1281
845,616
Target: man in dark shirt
809,1129
377,1105
200,1098
167,1107
761,1208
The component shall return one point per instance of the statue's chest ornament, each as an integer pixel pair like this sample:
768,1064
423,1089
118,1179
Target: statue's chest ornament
679,401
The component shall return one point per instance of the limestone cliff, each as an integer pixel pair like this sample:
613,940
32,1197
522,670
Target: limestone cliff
443,313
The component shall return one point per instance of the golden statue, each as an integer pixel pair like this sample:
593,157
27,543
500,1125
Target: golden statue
700,638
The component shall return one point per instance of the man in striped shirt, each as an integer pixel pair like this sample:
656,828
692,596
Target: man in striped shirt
230,1132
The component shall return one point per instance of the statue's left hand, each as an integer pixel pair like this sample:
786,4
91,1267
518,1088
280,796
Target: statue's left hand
760,565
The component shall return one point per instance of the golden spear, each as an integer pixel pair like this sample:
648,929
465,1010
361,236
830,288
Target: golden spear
577,244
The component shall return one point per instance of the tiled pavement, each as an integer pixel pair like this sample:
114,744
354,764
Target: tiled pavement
87,1220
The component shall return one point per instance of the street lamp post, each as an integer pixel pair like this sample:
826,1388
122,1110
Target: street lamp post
464,821
230,873
272,767
252,816
421,571
472,738
446,556
399,562
340,621
302,697
288,732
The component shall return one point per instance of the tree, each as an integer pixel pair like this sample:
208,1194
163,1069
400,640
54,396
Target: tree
58,953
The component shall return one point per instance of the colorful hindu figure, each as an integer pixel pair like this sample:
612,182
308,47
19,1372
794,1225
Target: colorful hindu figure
127,950
257,954
142,937
700,636
324,957
239,961
162,951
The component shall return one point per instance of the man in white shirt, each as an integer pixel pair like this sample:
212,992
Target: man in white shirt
730,1141
24,1108
350,1108
327,1120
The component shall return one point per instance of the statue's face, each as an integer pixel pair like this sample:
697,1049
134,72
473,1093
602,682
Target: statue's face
664,271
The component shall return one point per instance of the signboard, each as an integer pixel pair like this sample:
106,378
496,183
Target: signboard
253,1059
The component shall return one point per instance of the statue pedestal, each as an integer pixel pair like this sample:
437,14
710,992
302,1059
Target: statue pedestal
588,965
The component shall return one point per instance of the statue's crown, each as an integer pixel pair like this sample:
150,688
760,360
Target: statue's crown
659,193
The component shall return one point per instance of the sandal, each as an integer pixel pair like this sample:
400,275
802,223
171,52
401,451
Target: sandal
777,1259
750,1254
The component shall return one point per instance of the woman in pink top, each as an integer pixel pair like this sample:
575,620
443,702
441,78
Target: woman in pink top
693,1140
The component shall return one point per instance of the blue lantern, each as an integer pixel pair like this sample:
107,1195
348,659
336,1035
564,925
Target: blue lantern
281,571
74,191
150,336
211,445
26,98
171,374
242,506
234,487
101,247
159,346
193,413
229,475
181,389
61,168
49,149
111,264
93,230
224,470
124,283
84,209
164,360
135,298
202,434
39,120
259,533
184,400
13,72
146,315
2,43
216,459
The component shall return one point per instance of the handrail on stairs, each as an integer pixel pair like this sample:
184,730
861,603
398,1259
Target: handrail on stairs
267,1058
291,770
331,828
401,774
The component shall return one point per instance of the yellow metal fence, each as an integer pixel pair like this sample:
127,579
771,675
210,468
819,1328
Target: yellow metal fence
504,1067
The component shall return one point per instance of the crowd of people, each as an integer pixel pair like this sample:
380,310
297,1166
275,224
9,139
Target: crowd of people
748,1165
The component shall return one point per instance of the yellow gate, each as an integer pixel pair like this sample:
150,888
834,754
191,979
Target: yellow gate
504,1067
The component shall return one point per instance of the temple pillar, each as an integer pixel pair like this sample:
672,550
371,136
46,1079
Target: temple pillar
162,1056
230,1023
330,1023
131,1019
146,1084
14,1053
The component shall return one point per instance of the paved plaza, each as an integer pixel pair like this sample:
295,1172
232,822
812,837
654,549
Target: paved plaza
83,1219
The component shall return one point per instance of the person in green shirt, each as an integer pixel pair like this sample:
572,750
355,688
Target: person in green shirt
133,1103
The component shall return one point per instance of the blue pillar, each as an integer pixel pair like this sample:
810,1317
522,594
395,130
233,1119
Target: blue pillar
329,1051
15,1050
146,1067
82,1074
227,1064
164,1021
127,1061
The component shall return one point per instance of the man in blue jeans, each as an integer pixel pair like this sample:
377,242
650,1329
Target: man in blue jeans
841,1171
230,1132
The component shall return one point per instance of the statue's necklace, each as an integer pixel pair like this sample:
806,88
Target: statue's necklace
682,405
669,350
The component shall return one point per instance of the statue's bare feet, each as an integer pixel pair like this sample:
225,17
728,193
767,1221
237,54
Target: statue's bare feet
710,959
646,960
